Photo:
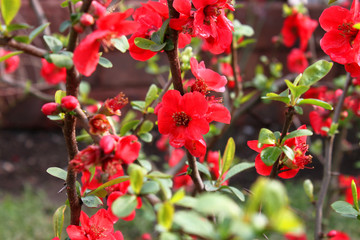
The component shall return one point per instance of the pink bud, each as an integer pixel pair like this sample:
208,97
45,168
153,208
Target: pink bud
50,108
87,19
69,103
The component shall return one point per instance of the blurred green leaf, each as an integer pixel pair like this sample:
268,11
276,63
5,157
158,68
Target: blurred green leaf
58,220
91,201
9,55
147,126
9,9
61,60
297,133
355,195
288,152
128,126
150,187
108,184
345,208
121,43
228,156
104,62
37,31
124,205
17,26
143,43
151,95
137,174
193,223
165,215
237,169
54,44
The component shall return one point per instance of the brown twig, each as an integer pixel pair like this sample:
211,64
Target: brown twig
40,14
27,48
327,164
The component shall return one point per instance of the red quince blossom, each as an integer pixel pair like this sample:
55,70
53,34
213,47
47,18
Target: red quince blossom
112,106
86,55
288,167
51,73
318,122
206,79
298,25
12,63
341,40
345,185
99,124
227,70
294,236
337,235
297,61
97,227
88,182
185,119
207,21
127,149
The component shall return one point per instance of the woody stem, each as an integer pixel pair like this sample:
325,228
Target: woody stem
327,163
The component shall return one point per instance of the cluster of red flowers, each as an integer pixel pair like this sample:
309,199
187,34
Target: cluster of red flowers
297,26
288,167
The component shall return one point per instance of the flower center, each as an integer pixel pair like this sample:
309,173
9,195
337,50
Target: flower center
200,86
348,31
181,119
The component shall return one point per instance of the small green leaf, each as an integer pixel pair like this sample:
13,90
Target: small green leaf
84,88
151,95
137,175
64,25
9,55
297,133
147,126
234,191
296,91
309,189
276,97
143,43
124,205
92,201
150,187
344,208
237,169
288,152
180,194
54,44
58,220
59,94
266,136
214,203
108,184
157,47
21,38
57,172
315,72
61,60
299,110
105,63
121,43
157,174
228,156
270,154
355,195
332,1
162,30
316,102
138,105
128,126
203,169
34,33
9,9
193,223
165,215
17,26
146,137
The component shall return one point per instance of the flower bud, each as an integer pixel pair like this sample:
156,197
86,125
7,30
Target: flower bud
50,108
87,19
78,27
69,103
99,124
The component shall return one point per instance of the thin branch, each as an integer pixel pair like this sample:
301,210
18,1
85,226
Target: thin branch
327,164
40,14
27,48
195,174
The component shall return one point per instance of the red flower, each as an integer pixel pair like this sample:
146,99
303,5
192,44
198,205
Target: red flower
51,73
288,167
127,149
337,235
227,70
86,55
112,106
12,63
296,61
317,122
98,227
99,124
95,181
293,236
341,40
87,158
296,26
206,78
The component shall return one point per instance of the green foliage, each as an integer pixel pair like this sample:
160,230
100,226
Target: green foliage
124,205
120,43
9,55
228,157
269,155
9,9
104,62
266,136
37,31
58,220
57,172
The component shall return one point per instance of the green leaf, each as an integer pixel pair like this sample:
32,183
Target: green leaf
309,189
165,215
169,236
150,187
179,195
137,174
121,43
61,60
58,220
344,208
296,91
7,56
128,126
299,110
266,136
147,126
237,169
315,72
157,47
143,43
228,156
187,202
108,184
162,30
151,95
57,172
124,205
355,195
92,201
332,1
9,9
17,26
270,154
34,33
297,133
193,223
203,169
288,152
234,191
157,174
84,88
146,137
210,186
316,102
105,63
138,105
276,97
54,44
64,25
59,94
146,164
21,38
